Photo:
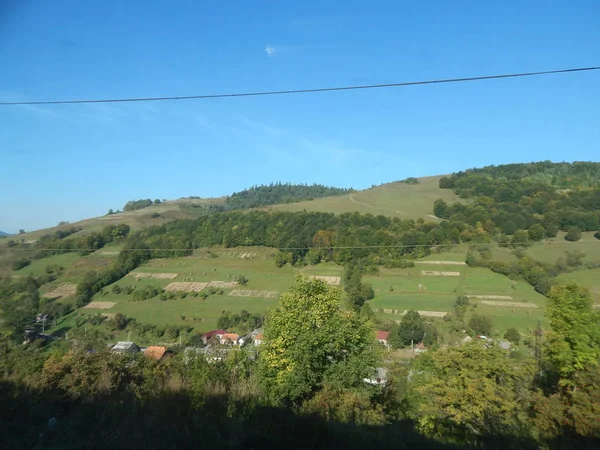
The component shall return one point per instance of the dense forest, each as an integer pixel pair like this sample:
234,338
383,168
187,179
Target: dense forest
553,196
276,193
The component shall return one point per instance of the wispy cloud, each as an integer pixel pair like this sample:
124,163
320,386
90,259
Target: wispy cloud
270,50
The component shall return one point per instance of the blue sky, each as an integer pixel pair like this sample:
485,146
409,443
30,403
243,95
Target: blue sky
69,162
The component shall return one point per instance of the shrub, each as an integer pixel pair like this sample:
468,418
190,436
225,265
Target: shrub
573,235
513,335
19,264
480,324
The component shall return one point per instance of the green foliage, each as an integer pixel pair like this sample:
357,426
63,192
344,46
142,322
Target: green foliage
19,264
520,239
574,342
470,392
242,280
410,180
357,292
573,234
597,234
280,193
244,321
513,335
440,208
537,233
132,205
116,289
481,324
146,293
410,330
311,342
514,196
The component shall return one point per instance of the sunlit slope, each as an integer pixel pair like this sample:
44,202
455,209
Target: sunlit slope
407,201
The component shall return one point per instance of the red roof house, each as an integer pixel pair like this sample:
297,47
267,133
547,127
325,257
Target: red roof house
382,336
211,334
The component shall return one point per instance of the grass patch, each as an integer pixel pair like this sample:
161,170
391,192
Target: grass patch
407,201
37,267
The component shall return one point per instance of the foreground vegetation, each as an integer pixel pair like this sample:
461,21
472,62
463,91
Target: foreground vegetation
305,388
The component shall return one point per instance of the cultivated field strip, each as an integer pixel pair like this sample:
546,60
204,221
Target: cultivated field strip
443,263
334,281
223,284
158,276
183,286
401,312
64,290
490,297
100,305
509,304
253,293
436,273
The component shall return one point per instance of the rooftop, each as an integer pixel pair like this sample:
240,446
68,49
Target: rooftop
155,352
382,335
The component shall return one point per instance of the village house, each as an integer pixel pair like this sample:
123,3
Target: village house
217,334
124,347
258,339
382,337
229,339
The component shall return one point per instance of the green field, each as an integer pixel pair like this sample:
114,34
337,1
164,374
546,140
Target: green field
260,271
551,249
37,267
441,292
407,201
226,264
589,278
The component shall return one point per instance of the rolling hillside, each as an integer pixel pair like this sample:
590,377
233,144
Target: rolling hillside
407,201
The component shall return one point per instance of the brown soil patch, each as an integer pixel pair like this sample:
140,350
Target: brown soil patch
64,290
100,305
334,281
253,293
510,304
596,306
443,263
159,276
435,273
491,297
185,286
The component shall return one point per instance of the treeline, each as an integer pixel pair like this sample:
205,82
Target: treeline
276,193
132,205
520,196
306,237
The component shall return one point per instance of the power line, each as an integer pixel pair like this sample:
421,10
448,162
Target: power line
302,91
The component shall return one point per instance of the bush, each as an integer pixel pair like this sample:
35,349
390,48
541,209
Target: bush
480,324
512,335
573,235
19,264
597,234
116,289
241,279
145,293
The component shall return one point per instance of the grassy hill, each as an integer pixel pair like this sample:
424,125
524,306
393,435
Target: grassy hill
137,219
407,201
